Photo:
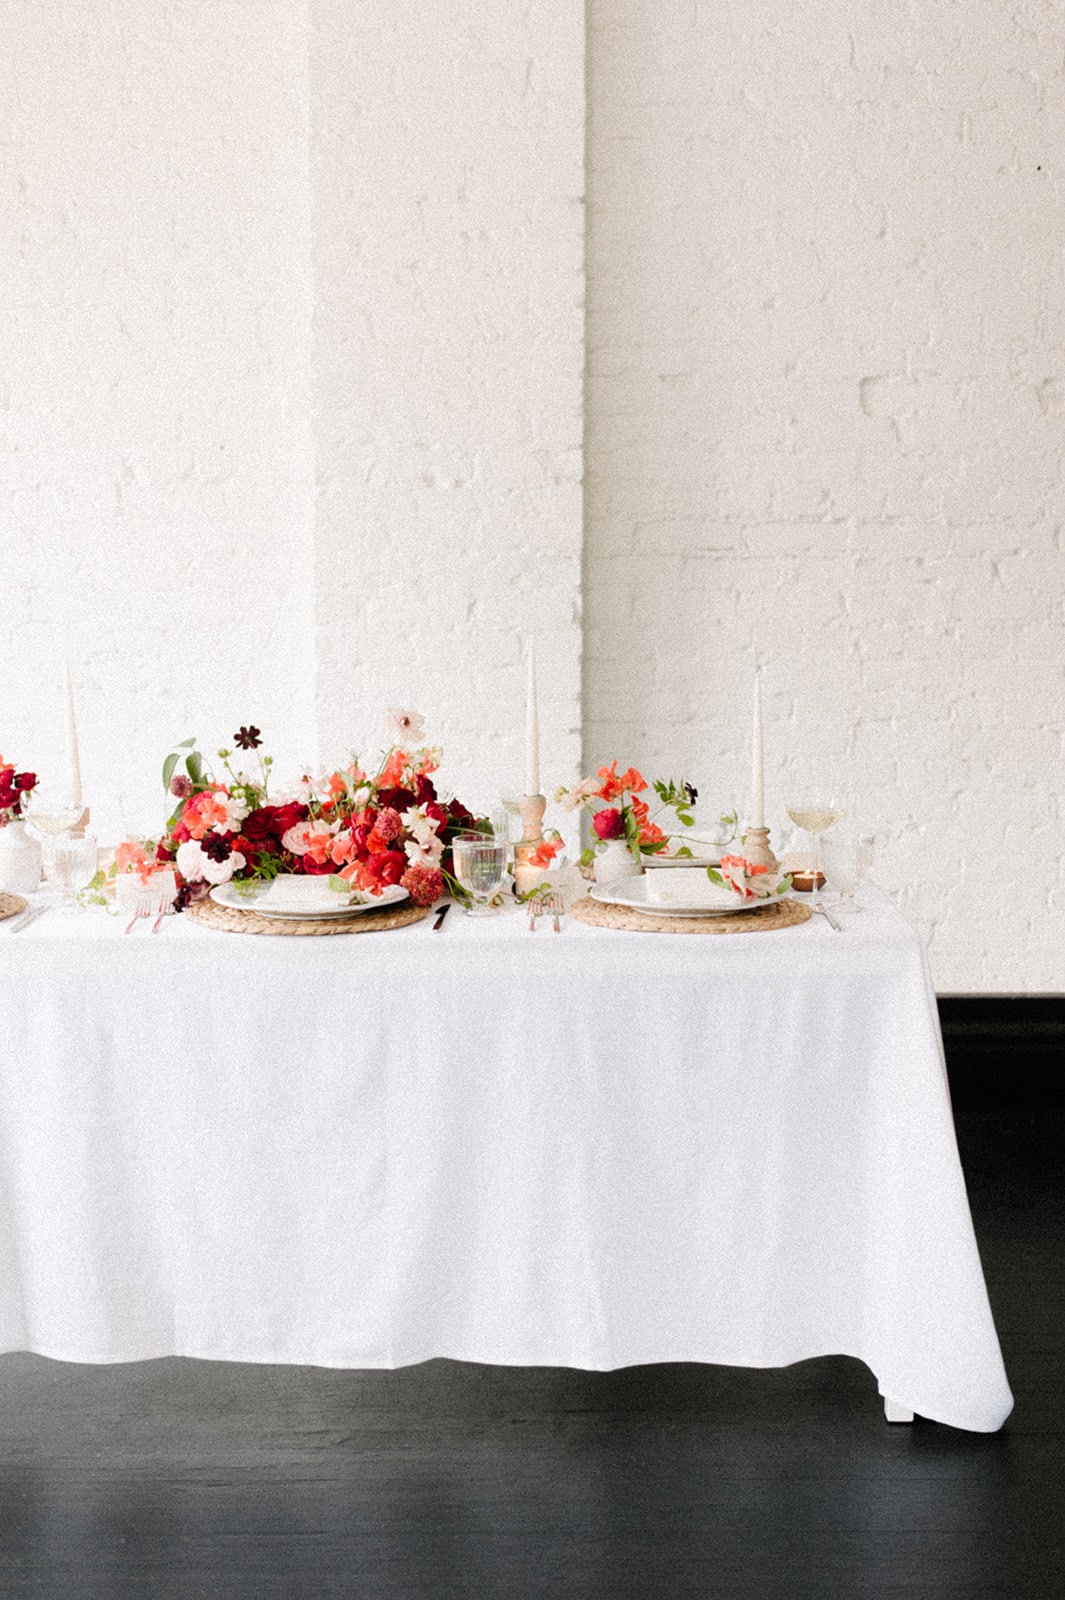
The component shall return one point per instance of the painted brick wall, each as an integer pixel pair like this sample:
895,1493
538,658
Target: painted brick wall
448,179
826,395
156,463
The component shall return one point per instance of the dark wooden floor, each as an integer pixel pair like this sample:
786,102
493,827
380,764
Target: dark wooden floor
189,1479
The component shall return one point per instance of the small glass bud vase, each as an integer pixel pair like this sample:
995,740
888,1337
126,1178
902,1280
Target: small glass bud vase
20,859
616,860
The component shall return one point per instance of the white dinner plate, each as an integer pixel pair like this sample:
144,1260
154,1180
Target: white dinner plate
633,894
235,898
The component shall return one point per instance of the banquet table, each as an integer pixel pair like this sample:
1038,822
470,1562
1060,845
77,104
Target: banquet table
593,1149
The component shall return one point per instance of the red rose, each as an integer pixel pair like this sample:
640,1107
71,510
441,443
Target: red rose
609,824
388,866
425,790
397,799
315,869
26,780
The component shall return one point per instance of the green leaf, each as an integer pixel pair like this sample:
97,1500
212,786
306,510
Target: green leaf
715,876
168,768
784,885
684,851
194,766
587,857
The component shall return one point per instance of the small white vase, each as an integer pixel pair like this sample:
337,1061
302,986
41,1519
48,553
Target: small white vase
20,860
616,860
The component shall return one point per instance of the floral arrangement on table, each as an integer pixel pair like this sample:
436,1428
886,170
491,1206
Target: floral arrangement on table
363,828
749,879
618,812
14,786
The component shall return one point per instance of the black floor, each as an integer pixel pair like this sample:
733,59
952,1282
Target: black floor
192,1479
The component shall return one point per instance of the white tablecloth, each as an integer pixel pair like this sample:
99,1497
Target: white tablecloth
589,1150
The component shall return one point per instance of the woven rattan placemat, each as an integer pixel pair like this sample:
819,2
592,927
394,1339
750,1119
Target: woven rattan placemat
781,914
213,915
11,905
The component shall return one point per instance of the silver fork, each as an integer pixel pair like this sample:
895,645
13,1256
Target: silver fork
556,907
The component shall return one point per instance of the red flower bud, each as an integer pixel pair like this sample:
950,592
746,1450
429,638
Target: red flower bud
609,824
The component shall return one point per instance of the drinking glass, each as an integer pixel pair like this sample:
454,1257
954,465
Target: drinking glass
50,811
69,865
480,862
815,816
847,860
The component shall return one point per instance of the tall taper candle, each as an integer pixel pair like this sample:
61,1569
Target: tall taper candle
532,730
73,759
757,759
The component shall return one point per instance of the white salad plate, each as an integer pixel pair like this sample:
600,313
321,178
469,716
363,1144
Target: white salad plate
248,898
636,894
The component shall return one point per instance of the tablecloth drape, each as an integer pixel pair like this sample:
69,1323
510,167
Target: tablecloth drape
590,1150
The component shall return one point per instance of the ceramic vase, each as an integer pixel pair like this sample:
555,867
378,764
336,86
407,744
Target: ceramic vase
616,860
20,859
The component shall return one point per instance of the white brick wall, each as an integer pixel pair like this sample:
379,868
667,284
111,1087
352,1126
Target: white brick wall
156,476
825,364
448,169
290,403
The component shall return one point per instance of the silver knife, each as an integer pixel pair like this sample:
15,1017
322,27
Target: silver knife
29,916
829,918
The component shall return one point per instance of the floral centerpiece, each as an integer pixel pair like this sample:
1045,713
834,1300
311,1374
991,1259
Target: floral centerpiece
363,827
619,813
14,786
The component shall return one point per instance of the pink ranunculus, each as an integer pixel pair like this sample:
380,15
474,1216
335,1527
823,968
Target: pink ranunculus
609,824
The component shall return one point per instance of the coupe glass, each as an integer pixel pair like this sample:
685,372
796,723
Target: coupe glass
815,816
50,811
69,865
480,862
847,860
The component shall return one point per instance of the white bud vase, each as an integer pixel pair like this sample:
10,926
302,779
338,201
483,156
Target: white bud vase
20,860
616,860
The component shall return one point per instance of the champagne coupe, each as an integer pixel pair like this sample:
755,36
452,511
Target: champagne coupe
51,811
480,862
815,816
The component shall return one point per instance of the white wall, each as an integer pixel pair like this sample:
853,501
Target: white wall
292,322
290,403
826,390
448,141
155,382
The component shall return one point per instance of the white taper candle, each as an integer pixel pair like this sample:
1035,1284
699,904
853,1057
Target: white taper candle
757,759
73,758
532,730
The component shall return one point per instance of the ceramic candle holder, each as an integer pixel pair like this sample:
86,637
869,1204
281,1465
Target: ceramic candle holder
526,877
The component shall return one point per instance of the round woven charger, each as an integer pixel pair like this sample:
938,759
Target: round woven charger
781,914
213,915
11,905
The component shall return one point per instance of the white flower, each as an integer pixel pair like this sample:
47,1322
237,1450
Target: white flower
405,726
222,871
424,853
570,799
236,811
189,860
361,797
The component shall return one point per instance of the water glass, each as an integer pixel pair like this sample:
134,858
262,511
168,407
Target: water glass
847,860
479,862
69,865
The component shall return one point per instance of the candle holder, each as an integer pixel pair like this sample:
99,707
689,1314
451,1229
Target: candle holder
527,877
757,850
